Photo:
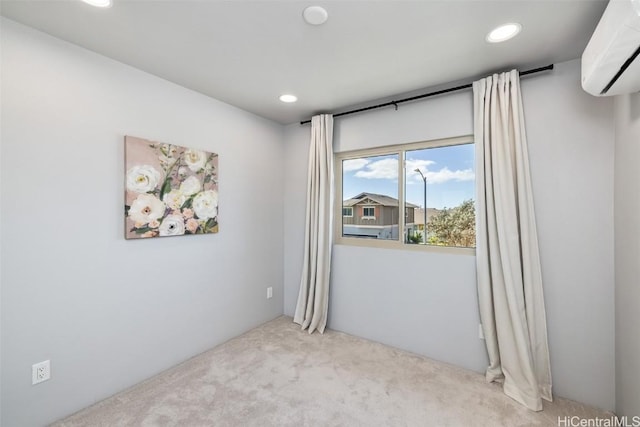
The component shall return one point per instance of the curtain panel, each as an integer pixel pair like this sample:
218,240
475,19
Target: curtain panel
509,276
313,297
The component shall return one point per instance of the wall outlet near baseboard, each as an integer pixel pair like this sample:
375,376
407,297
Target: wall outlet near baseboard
269,292
40,372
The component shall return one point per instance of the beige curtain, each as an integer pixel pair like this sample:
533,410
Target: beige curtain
313,298
508,262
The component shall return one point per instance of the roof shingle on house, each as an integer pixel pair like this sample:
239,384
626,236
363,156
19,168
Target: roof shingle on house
380,199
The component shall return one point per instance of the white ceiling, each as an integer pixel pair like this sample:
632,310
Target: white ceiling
248,53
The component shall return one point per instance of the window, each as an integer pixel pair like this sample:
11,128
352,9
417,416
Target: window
375,207
432,183
368,212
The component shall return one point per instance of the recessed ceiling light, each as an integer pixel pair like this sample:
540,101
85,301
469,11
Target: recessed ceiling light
315,15
288,98
99,3
504,32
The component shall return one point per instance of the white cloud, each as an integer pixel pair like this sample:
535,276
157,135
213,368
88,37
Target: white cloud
436,177
445,175
354,164
388,169
380,169
413,164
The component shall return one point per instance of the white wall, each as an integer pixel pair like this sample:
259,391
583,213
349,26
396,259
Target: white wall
627,253
375,293
107,312
572,155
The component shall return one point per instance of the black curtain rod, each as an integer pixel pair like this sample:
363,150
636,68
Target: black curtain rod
426,95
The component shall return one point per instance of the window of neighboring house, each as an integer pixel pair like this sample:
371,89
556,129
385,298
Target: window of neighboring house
368,212
383,182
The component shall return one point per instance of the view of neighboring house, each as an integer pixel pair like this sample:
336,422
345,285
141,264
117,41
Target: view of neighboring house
419,217
374,216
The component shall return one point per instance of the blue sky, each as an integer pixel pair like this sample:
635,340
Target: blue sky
450,173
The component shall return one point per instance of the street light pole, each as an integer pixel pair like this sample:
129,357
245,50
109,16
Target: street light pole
424,178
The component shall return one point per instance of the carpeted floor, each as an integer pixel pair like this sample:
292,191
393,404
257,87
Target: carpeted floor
277,375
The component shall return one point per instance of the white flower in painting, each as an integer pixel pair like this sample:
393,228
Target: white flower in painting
195,159
205,204
146,208
172,225
174,199
182,171
142,178
190,186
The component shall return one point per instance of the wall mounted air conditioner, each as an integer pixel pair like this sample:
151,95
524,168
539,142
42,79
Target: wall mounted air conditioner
611,60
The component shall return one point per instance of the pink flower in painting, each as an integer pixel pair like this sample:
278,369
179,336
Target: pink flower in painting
192,225
188,213
154,224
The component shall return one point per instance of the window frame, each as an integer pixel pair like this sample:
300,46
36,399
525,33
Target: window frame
347,207
400,150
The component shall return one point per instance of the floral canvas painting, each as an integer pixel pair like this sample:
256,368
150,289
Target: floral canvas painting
170,190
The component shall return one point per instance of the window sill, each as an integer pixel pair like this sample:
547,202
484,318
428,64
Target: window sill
397,245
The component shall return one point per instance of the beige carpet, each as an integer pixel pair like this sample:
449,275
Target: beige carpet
277,375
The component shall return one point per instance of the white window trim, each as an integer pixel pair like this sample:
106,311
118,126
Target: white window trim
339,239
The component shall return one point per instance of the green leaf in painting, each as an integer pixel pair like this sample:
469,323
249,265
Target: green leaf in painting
166,187
141,230
210,225
188,203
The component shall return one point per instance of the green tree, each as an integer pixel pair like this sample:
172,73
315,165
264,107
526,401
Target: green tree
454,226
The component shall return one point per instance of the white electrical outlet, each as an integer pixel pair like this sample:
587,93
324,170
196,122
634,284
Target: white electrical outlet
269,292
40,372
480,332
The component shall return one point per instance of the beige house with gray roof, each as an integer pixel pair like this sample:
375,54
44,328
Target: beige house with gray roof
374,216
